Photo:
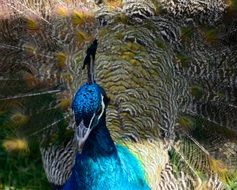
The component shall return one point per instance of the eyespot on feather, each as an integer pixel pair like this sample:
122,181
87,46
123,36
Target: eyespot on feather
65,103
78,17
82,17
67,77
11,145
32,24
19,119
30,80
185,122
62,11
83,37
61,58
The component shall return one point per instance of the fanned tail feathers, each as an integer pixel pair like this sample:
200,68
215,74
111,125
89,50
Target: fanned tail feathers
171,77
41,45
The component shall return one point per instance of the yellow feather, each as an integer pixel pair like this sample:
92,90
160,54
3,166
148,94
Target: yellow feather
62,11
80,17
185,122
67,77
32,24
113,4
77,17
83,37
61,57
65,103
15,145
19,119
220,168
134,62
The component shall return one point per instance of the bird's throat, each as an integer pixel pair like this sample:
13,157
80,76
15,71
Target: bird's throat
99,142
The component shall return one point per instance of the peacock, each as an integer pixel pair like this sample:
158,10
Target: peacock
118,94
97,154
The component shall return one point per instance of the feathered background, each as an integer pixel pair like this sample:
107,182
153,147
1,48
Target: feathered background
169,68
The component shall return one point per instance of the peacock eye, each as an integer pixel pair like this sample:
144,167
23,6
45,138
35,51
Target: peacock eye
99,111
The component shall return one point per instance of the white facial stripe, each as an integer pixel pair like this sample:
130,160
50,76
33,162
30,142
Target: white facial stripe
103,107
82,130
91,121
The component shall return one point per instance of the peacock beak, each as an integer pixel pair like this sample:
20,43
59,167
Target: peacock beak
82,133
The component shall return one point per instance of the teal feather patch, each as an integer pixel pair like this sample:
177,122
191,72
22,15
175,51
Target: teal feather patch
118,171
131,167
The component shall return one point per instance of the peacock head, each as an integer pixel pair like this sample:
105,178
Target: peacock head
90,102
89,107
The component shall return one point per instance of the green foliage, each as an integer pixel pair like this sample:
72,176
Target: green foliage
22,170
21,167
232,182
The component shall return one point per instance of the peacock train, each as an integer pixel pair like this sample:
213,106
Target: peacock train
118,94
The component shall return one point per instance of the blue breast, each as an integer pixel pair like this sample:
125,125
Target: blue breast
102,165
120,171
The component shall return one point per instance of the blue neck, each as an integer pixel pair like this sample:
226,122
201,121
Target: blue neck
97,162
99,142
102,165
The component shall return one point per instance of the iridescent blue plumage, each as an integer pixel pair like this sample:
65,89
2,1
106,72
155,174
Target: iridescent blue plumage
87,100
100,164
